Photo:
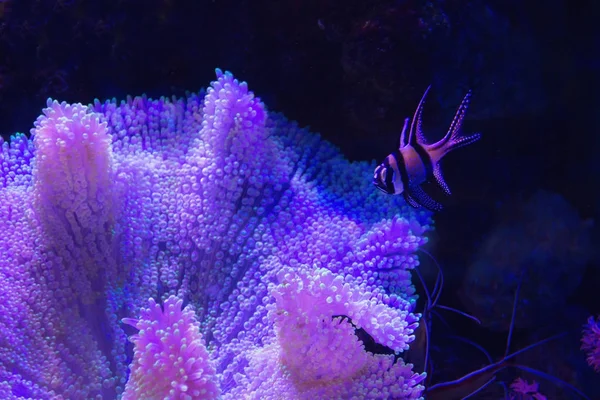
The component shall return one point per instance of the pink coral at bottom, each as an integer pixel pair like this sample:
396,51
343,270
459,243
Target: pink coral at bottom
171,360
523,390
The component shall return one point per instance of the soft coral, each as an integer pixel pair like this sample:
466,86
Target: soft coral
590,342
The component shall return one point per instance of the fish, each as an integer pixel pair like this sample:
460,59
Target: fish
416,162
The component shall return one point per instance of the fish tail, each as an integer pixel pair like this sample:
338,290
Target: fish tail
453,138
460,141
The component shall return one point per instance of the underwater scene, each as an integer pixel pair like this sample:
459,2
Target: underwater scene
299,200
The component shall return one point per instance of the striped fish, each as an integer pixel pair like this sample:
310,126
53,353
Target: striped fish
416,162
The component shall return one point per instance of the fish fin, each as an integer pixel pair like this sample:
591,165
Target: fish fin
409,199
459,116
439,179
423,198
453,140
416,133
402,139
461,141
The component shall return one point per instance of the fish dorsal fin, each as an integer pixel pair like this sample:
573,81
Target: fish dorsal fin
418,195
416,133
402,139
439,179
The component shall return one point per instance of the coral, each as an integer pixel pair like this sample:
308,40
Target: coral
590,342
522,390
316,353
255,224
171,360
